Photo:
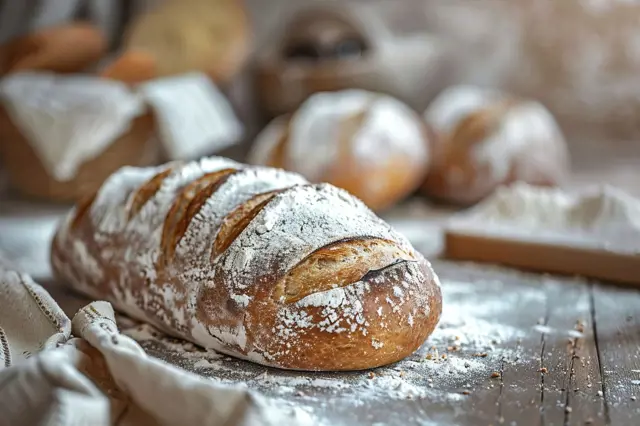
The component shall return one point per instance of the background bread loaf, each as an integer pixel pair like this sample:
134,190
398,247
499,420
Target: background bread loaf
485,138
251,261
370,144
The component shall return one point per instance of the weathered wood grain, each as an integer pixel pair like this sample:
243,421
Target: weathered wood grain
571,374
617,325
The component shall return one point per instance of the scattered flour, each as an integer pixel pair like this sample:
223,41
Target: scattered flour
603,218
537,207
447,364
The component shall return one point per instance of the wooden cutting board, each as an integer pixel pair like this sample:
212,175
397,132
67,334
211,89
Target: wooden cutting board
612,255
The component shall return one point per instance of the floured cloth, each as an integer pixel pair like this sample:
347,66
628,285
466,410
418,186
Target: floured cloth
60,372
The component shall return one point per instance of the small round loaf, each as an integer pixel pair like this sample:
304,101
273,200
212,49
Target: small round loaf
212,36
370,144
69,48
254,262
484,139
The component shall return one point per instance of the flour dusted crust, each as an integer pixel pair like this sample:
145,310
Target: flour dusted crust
251,261
370,144
485,139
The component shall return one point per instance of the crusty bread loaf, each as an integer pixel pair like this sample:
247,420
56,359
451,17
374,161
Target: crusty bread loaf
368,143
485,138
68,48
254,262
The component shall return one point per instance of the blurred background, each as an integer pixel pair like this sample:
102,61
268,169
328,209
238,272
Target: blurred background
442,101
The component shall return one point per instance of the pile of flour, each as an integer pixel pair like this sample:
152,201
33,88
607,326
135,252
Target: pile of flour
549,208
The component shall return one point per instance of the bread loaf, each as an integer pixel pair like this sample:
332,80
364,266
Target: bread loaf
68,48
253,262
485,138
370,144
212,36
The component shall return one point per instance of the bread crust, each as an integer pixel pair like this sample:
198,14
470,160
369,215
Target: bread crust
484,139
377,165
303,277
68,48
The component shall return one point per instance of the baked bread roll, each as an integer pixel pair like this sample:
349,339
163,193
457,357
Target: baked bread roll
253,262
370,144
485,139
69,48
212,36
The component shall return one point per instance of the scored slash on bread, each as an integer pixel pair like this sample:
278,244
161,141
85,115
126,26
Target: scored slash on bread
254,262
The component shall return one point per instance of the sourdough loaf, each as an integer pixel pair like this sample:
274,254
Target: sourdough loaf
485,138
254,262
368,143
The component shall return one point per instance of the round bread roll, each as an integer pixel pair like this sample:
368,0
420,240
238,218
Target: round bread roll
484,139
370,144
68,48
211,36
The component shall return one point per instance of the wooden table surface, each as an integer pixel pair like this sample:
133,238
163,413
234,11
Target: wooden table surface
512,348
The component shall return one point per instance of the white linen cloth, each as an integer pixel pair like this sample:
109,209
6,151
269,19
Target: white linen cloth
60,372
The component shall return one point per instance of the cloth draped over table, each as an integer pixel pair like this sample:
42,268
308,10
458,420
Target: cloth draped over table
60,372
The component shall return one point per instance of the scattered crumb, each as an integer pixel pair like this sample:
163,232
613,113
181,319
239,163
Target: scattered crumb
495,375
600,393
372,375
481,354
402,373
444,356
543,370
466,392
568,409
633,398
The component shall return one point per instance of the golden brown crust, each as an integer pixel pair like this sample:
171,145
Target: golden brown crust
193,207
183,209
146,191
338,265
360,298
63,49
388,337
483,151
236,221
82,208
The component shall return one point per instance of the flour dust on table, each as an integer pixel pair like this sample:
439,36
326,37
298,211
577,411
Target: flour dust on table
460,356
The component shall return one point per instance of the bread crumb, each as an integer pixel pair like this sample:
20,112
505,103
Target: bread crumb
568,409
372,375
633,398
481,354
543,370
466,392
495,375
599,393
